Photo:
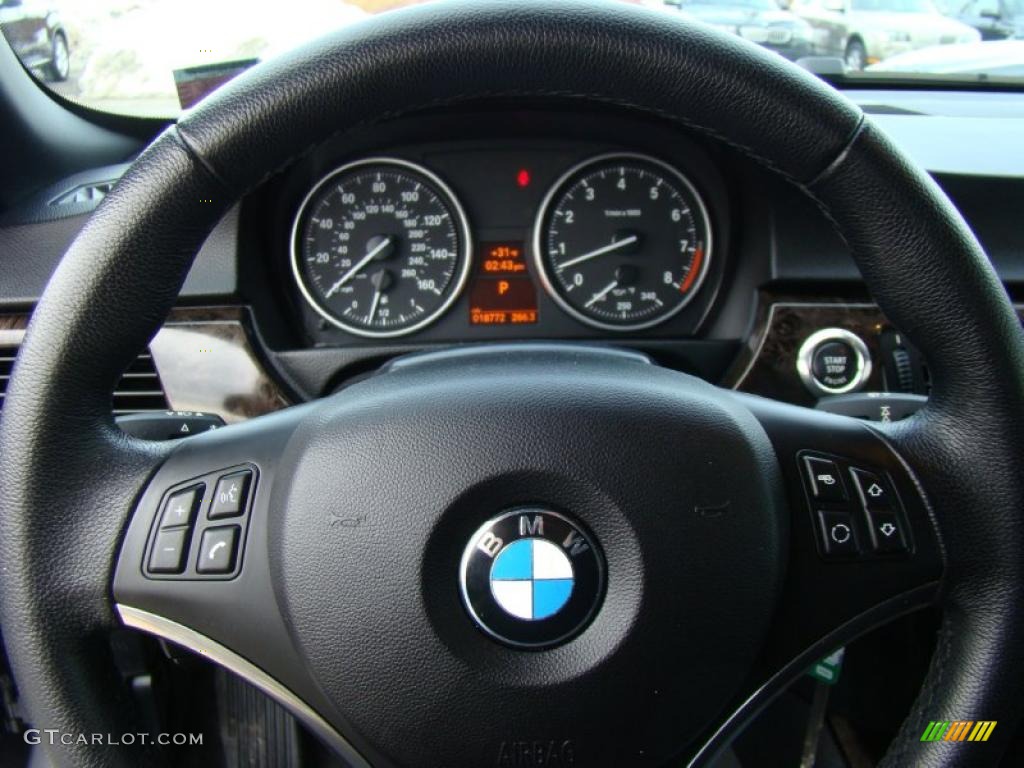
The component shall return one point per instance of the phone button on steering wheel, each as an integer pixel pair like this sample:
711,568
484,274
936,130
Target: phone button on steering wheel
217,550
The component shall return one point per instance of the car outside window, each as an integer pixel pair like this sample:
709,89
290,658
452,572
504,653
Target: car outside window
894,6
764,5
158,57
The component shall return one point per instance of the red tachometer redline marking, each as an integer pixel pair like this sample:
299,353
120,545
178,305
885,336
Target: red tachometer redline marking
691,276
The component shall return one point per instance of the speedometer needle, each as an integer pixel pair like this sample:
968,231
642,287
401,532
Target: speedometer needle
355,270
599,251
602,293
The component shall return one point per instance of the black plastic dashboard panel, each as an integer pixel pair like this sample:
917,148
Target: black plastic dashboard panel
31,250
808,249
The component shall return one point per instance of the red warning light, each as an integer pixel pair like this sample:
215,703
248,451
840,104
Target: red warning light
523,178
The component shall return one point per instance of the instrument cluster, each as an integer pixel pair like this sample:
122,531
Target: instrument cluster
524,239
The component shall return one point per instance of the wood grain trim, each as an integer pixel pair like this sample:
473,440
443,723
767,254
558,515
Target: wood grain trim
12,329
767,364
206,361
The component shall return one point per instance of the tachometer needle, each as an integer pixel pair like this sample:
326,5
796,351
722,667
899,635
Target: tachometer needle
602,293
373,306
599,252
359,266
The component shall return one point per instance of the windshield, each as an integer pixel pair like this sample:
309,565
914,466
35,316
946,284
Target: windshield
158,57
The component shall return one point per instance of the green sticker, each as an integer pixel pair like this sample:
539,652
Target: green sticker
827,670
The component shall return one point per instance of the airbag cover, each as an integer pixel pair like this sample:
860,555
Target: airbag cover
677,483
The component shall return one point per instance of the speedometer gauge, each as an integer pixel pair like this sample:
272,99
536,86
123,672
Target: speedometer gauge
380,247
622,242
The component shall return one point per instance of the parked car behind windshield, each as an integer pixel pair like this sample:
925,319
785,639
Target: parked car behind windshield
994,19
991,58
865,32
37,35
760,21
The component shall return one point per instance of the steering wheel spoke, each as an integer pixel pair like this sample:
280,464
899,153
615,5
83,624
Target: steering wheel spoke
864,547
194,566
861,532
195,549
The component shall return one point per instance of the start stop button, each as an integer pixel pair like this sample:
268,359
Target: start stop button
834,364
833,361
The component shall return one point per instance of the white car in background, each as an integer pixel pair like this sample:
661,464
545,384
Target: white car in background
991,58
865,32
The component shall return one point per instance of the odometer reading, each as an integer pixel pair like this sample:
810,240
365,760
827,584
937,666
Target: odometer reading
622,242
380,247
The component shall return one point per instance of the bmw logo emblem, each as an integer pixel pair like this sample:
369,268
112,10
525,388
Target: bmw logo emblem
531,578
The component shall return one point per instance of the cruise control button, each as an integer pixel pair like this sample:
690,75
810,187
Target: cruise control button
230,497
887,532
181,507
826,481
217,550
168,555
838,533
874,490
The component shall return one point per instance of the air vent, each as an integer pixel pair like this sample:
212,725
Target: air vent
7,355
86,193
139,389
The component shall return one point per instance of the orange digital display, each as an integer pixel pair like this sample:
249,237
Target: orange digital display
503,259
502,293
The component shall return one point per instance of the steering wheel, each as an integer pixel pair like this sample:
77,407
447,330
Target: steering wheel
343,602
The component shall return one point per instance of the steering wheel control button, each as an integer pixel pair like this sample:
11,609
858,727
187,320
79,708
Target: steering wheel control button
833,361
825,478
231,494
874,490
870,522
180,509
838,533
531,578
887,532
194,516
169,551
218,549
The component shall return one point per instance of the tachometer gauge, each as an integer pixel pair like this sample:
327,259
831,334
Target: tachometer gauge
380,247
622,242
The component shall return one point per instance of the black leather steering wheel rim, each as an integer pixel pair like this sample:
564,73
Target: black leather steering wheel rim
60,452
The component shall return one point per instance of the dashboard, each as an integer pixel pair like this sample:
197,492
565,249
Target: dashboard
518,222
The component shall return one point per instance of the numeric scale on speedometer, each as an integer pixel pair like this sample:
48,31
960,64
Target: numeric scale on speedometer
381,247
